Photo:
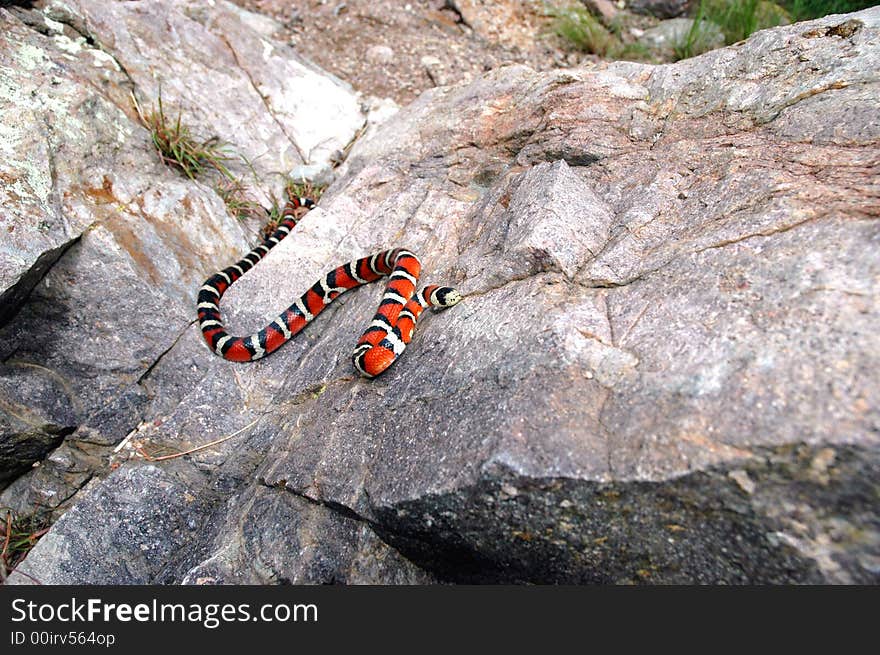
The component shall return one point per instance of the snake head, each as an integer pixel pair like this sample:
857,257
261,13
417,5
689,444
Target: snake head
445,297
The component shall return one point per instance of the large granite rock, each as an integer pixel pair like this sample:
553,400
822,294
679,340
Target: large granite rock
80,178
664,368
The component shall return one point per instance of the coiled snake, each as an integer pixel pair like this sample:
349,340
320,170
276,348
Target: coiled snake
380,345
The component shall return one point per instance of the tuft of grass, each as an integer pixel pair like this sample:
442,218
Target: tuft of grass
739,19
581,29
694,41
18,534
292,189
631,52
303,189
273,217
236,196
179,149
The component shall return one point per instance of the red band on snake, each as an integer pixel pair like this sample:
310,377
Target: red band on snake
380,345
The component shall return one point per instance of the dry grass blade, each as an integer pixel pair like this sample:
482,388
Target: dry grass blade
140,449
6,540
20,534
238,201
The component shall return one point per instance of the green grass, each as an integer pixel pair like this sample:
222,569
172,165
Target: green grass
195,158
631,52
582,31
237,198
694,42
809,9
178,148
578,27
303,189
241,204
738,20
292,189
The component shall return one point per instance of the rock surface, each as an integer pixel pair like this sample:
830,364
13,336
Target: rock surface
81,179
664,368
669,34
659,8
462,39
605,9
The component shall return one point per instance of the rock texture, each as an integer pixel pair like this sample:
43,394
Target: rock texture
81,179
664,37
394,49
664,368
605,9
659,8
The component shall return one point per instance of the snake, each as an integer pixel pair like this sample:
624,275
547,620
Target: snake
381,344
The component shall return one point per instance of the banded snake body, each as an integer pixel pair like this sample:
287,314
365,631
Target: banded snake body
382,342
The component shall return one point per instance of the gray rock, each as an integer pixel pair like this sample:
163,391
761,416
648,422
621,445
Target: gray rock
673,33
303,542
160,517
663,370
40,104
165,514
658,8
317,174
106,246
22,448
223,73
54,480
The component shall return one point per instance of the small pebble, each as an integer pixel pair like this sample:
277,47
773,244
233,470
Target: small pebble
743,480
380,54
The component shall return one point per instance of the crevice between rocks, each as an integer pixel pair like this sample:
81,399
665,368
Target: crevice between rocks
452,6
265,102
345,512
335,507
765,233
162,354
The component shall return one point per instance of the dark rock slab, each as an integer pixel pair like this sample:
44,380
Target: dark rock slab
658,8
